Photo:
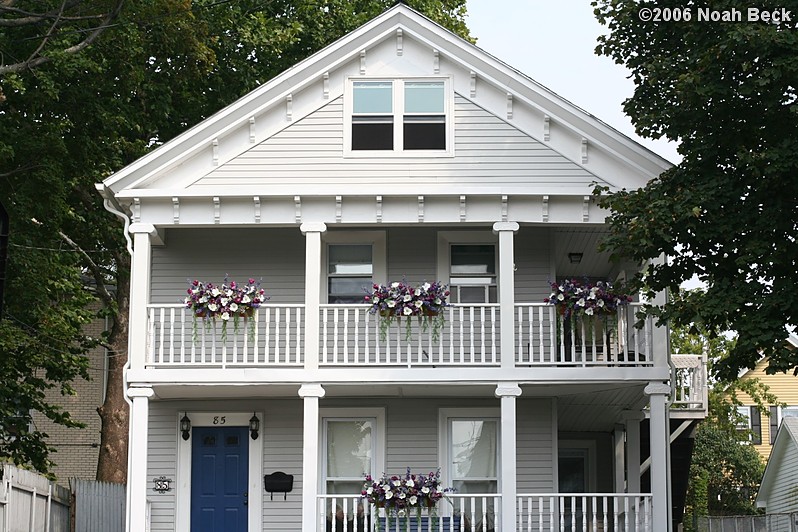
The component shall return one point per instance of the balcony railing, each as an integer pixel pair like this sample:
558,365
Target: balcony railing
273,337
544,338
350,336
456,513
614,512
689,382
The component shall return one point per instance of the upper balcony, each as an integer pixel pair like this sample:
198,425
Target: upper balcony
349,336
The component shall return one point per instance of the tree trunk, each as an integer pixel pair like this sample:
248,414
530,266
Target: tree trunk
114,412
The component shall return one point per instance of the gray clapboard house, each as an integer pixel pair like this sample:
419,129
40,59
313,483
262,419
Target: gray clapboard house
399,152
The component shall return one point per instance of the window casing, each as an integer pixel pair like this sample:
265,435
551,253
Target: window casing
472,275
399,117
349,272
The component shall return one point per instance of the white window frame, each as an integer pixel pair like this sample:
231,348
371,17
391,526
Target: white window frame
444,450
352,414
781,411
255,483
448,238
379,265
398,115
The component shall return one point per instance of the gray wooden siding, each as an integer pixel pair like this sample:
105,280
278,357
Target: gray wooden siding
488,151
532,248
277,256
784,493
412,254
411,440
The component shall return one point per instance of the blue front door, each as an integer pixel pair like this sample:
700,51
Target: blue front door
219,474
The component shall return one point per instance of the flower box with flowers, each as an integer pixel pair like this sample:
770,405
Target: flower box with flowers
400,300
576,298
226,302
399,496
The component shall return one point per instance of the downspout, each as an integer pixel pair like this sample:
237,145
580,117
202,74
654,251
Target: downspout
113,207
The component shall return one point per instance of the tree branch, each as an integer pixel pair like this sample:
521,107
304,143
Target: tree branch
96,270
34,61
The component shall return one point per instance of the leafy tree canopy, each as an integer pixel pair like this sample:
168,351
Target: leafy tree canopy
66,123
727,92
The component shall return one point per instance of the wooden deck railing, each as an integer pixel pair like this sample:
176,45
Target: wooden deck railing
608,512
349,336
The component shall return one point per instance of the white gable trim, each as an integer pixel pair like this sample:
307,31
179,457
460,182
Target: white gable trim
536,111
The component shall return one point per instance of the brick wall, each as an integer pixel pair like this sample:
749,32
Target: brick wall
77,449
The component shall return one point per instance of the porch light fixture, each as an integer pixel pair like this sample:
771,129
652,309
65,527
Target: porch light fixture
185,427
575,258
254,426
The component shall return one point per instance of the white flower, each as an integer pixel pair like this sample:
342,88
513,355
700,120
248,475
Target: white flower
212,307
397,482
203,299
407,298
395,285
581,302
187,301
419,303
407,311
560,297
370,490
409,483
413,500
224,301
233,307
600,303
402,495
215,292
589,311
417,292
225,316
245,299
426,286
228,293
375,299
438,301
391,303
389,494
425,489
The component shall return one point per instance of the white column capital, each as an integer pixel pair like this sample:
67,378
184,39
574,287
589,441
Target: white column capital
505,226
311,390
313,227
508,389
136,228
657,388
136,392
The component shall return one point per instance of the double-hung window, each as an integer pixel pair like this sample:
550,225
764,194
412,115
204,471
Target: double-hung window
349,444
349,272
473,273
400,115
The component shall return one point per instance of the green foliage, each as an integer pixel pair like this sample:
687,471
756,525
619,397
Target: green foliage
727,92
162,67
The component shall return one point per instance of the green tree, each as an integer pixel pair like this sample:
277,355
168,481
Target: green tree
726,469
727,92
68,122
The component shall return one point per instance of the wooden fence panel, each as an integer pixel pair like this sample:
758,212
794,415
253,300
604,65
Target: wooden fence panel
29,502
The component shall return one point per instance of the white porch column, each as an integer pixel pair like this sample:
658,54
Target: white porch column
619,440
310,393
658,393
137,459
506,281
312,232
632,421
507,392
139,292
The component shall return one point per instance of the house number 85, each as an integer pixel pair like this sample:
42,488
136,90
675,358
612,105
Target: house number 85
219,420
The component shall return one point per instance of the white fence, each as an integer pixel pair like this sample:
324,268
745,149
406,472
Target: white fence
749,523
31,503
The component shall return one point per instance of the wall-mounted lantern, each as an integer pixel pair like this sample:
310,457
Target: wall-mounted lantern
254,427
575,258
185,427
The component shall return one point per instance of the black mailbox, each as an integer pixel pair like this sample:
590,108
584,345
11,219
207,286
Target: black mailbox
278,482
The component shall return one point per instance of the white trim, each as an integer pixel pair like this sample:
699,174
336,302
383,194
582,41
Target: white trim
379,259
345,413
255,483
397,88
444,415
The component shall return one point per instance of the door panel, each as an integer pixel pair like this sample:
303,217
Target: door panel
219,477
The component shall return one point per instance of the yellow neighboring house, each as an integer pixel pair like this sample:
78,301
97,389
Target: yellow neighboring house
785,387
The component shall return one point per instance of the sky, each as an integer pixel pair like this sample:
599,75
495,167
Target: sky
553,42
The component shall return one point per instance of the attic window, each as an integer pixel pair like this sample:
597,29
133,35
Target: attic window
399,116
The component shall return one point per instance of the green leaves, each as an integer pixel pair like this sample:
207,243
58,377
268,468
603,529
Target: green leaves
727,213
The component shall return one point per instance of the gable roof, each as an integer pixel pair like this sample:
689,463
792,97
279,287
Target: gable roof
786,442
606,153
